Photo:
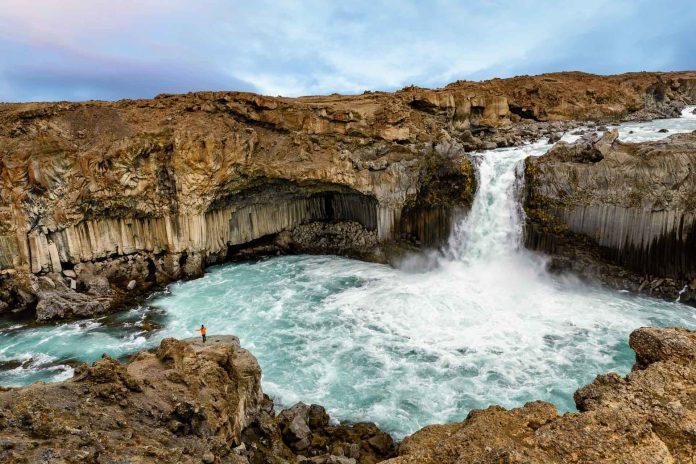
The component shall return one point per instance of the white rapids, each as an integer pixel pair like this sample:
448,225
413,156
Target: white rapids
483,324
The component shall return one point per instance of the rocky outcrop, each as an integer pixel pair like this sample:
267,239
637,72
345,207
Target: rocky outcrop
153,191
646,417
140,193
582,96
620,212
183,403
186,402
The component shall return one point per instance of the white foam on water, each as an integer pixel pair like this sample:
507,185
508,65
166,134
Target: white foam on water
649,130
481,324
484,324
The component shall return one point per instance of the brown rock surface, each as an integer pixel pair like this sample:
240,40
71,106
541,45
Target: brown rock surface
172,405
185,402
624,213
188,402
154,190
647,417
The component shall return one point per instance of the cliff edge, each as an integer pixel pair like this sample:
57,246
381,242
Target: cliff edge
184,402
621,213
646,417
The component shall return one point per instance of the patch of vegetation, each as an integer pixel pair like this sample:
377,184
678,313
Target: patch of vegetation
444,182
538,207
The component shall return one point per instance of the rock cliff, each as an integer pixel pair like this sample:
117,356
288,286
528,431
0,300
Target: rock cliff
598,203
186,402
101,201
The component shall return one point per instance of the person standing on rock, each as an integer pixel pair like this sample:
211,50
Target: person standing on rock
202,331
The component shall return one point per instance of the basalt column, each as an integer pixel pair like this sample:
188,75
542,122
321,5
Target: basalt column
633,204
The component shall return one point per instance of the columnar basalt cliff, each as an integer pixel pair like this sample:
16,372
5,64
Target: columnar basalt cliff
100,200
599,202
189,403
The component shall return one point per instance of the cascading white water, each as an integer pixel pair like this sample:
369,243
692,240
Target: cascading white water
493,227
402,348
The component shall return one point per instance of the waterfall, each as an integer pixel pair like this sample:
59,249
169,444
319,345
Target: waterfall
494,226
493,229
402,347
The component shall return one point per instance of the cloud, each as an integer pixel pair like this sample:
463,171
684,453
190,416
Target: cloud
72,49
636,37
52,73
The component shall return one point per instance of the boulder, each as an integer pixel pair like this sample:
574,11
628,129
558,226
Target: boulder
69,273
96,285
588,149
554,137
654,345
296,432
67,303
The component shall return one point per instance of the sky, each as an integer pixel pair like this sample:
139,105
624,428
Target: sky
113,49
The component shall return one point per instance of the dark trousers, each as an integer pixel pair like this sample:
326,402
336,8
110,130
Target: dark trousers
203,335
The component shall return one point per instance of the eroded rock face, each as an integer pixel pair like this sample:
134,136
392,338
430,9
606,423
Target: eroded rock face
646,417
599,202
154,190
189,403
185,402
172,405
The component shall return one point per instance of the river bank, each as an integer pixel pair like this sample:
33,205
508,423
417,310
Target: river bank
186,402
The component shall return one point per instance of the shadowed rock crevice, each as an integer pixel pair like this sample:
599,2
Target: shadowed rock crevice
523,113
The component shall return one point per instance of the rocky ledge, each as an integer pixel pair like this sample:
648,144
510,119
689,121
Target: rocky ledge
186,402
646,417
102,201
620,213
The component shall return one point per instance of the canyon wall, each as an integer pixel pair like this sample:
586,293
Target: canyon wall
142,193
632,204
100,201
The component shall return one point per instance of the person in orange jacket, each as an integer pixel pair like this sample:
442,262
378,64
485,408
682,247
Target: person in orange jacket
202,331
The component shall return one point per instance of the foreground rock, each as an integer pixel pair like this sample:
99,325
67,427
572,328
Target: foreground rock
109,199
621,213
649,417
190,403
183,403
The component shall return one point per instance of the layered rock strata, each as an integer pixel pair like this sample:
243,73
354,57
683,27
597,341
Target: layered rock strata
646,417
169,186
624,213
183,403
102,200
